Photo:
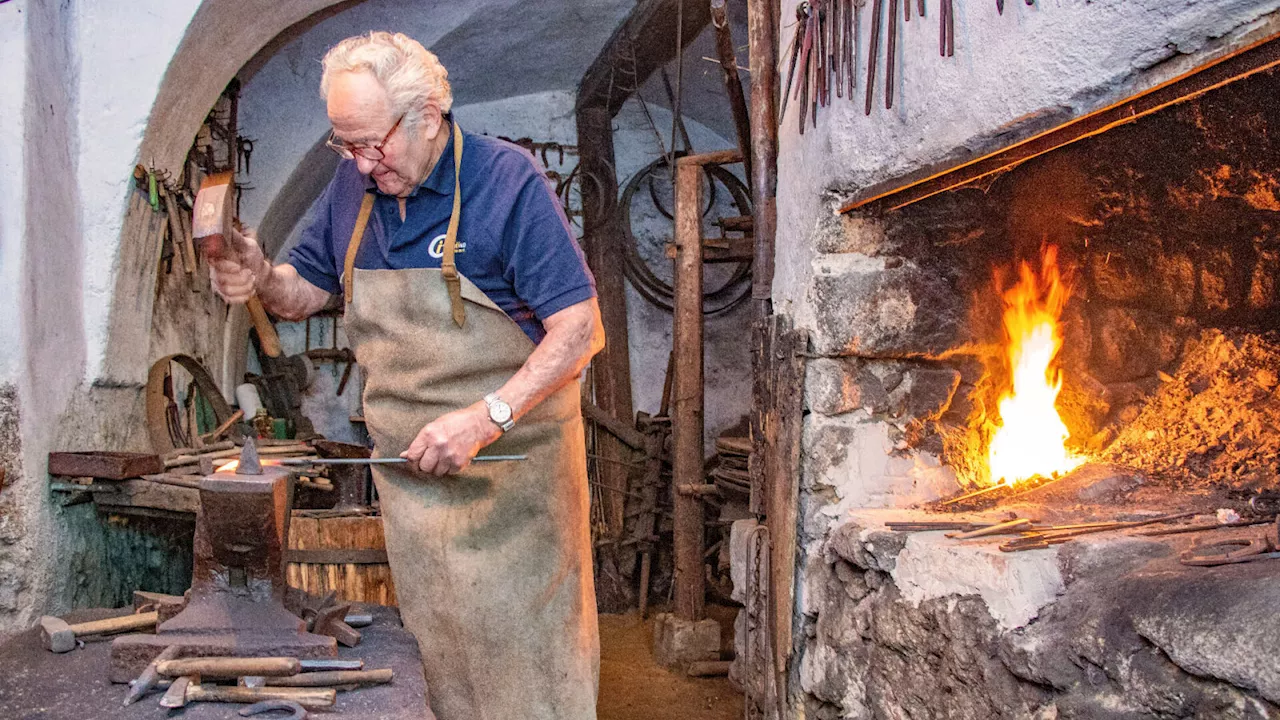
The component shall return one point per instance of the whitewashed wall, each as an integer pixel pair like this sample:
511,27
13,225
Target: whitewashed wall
12,213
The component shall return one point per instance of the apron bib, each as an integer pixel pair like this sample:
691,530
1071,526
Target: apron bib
492,566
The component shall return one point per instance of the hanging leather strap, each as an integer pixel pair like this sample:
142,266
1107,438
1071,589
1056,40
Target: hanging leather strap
357,234
447,266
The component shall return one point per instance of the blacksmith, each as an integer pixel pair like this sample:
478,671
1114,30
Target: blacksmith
470,307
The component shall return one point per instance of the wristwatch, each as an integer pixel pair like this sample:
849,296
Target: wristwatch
500,412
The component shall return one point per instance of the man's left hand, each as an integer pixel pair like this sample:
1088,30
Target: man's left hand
448,443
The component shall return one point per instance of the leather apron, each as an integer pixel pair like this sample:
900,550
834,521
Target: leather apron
492,566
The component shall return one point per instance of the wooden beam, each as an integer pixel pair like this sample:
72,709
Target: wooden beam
611,368
643,43
627,434
1261,56
762,37
732,81
687,411
782,470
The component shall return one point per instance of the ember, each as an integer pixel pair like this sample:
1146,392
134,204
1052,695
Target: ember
1030,436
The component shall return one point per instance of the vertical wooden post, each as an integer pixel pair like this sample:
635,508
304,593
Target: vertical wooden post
686,419
611,369
762,35
732,81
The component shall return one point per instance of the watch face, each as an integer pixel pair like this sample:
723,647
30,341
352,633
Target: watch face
499,412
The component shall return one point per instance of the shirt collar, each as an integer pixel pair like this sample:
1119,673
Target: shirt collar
440,180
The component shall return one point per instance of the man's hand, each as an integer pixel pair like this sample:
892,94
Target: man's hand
236,265
448,444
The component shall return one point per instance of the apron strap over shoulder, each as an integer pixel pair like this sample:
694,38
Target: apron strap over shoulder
448,268
349,265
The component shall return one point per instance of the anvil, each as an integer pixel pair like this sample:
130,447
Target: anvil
236,604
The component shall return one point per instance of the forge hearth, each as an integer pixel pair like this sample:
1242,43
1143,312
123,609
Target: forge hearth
1167,233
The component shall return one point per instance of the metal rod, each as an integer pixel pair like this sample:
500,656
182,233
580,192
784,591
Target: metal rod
390,461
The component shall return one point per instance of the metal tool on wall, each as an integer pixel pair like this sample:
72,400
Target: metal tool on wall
823,50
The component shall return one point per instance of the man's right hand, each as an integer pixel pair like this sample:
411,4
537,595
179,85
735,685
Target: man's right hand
236,265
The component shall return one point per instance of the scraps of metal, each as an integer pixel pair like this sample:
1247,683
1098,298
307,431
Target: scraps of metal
1263,546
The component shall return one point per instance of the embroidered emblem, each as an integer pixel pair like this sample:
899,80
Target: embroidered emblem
436,248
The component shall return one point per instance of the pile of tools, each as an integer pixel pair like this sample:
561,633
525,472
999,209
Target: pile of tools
272,682
1031,535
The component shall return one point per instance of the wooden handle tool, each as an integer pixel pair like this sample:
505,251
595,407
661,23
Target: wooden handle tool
230,667
211,226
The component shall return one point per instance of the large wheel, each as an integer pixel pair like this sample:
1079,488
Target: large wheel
646,210
177,386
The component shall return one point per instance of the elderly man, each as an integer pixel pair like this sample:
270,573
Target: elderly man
471,310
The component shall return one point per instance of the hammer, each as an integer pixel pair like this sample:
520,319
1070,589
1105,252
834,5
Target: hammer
184,690
58,636
211,227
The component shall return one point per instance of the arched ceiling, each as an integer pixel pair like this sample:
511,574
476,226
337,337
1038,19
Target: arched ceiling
494,50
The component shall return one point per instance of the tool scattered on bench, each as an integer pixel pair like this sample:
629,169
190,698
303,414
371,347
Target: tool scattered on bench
57,635
151,676
230,667
298,712
185,690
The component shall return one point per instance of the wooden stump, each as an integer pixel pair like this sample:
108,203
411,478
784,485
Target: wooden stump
343,553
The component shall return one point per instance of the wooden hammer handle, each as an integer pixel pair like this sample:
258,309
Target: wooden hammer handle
306,697
266,331
330,678
140,621
230,666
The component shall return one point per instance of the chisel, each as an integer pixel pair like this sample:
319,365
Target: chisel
390,461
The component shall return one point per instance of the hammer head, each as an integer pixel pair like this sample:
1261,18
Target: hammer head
56,635
176,695
212,214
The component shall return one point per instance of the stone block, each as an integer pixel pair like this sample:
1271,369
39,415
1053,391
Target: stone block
929,391
833,386
862,306
852,234
676,642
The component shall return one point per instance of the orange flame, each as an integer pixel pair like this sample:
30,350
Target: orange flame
231,466
1030,437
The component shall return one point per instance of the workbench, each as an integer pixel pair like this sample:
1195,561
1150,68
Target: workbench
37,684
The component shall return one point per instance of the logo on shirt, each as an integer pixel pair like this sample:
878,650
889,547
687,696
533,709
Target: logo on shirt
436,248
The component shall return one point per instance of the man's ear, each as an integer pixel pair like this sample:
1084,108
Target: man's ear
432,119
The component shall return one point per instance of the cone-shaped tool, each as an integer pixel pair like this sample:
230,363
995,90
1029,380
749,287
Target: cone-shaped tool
249,462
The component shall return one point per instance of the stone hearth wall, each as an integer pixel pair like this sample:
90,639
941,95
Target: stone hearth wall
920,626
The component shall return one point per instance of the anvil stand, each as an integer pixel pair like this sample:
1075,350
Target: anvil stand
236,604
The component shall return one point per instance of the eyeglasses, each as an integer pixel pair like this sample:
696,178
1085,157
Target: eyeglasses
368,152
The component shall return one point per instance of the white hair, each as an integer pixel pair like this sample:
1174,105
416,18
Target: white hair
412,75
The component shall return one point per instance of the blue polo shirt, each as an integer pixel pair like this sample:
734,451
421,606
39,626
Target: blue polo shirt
514,242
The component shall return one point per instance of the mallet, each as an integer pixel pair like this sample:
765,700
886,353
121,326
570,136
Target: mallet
58,636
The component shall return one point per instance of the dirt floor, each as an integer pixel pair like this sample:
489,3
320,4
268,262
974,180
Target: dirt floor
633,687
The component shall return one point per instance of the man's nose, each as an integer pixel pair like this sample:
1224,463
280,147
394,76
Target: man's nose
365,165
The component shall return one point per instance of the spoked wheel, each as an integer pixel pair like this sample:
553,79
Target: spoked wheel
647,208
183,402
